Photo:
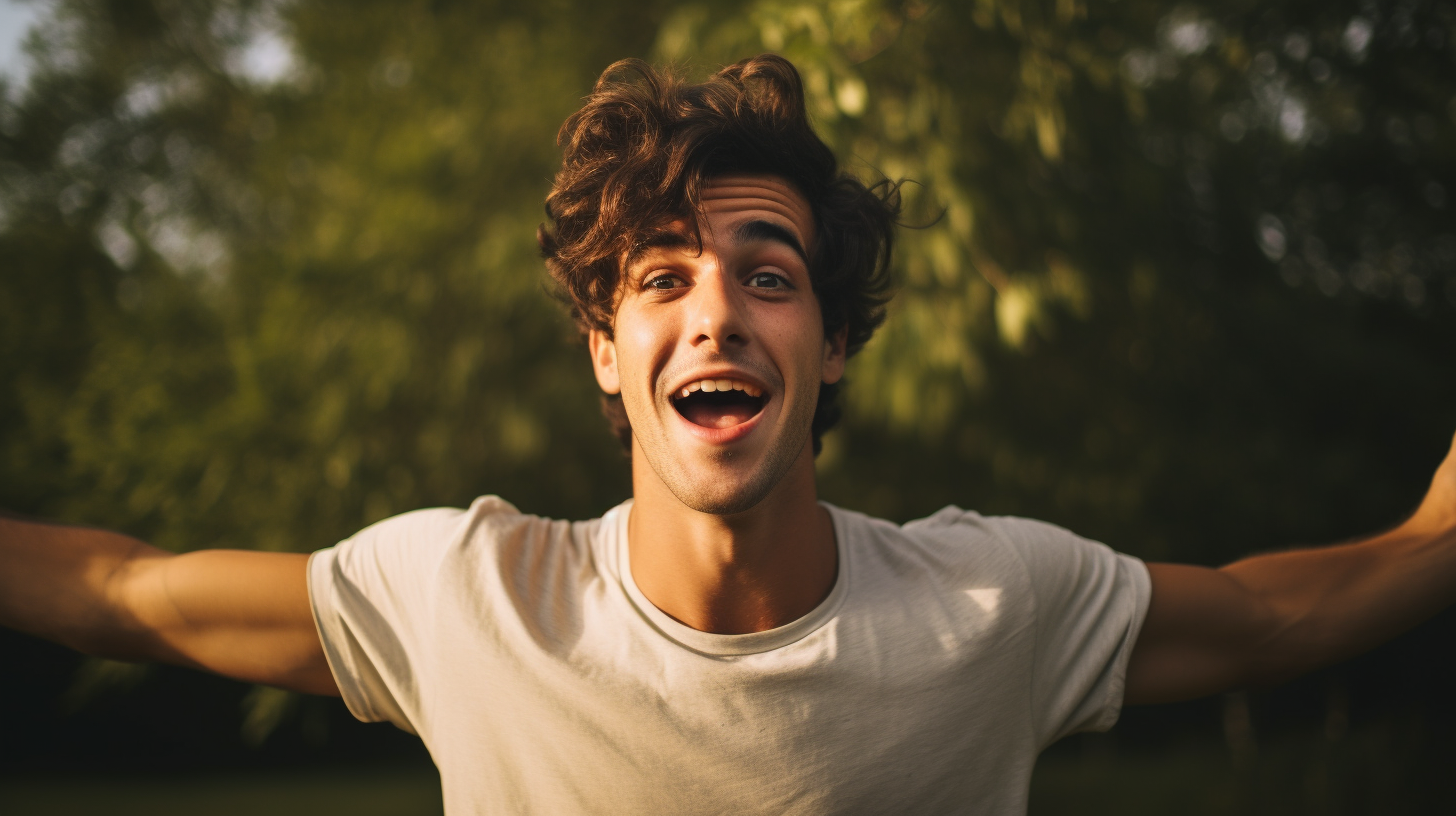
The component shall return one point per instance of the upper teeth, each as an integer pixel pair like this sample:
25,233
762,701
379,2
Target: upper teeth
720,385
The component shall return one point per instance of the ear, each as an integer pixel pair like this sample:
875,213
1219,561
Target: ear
834,357
604,361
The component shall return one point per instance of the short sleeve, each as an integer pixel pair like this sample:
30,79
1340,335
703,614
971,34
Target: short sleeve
372,601
1089,606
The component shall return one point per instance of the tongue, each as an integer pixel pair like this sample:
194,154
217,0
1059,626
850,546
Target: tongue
718,416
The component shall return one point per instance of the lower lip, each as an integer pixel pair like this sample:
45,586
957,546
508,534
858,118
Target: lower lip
722,436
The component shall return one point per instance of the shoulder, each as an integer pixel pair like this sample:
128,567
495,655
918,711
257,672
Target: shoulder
1050,557
422,537
1012,531
433,525
950,544
1011,535
410,559
1030,540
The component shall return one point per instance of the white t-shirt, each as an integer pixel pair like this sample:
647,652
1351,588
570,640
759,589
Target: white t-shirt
948,654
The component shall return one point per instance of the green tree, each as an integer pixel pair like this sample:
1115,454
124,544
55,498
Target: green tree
1182,278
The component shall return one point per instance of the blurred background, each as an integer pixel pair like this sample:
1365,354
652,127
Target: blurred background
268,274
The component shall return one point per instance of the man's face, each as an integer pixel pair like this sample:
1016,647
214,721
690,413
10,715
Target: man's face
719,355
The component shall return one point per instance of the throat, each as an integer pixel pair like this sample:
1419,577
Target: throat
777,578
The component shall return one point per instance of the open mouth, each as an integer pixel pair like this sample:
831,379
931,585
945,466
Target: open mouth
721,403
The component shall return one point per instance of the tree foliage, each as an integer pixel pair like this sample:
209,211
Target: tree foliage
272,271
1181,277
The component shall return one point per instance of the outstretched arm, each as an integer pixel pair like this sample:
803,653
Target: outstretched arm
1270,617
241,614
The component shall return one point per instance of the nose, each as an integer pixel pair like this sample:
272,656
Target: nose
717,321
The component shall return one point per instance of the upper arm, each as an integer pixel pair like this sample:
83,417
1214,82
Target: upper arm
241,614
1201,636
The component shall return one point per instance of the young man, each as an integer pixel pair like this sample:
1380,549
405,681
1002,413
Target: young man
724,642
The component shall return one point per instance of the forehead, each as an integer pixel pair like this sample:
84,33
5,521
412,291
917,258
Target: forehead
728,200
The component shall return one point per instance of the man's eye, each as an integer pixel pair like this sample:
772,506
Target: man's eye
768,280
663,282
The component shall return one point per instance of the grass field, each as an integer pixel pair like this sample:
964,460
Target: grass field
1375,771
381,794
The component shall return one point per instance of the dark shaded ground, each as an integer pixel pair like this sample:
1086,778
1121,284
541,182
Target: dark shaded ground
1361,738
393,793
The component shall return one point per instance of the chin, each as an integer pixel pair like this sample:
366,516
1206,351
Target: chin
719,499
724,487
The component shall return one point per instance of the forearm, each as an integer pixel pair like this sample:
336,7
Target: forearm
240,614
1268,618
62,583
1319,606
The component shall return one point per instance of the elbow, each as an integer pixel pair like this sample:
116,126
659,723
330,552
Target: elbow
1268,643
110,621
1286,646
107,637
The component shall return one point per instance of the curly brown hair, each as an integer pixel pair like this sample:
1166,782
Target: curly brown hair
636,156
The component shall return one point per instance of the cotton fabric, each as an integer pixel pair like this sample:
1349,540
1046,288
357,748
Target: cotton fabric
949,652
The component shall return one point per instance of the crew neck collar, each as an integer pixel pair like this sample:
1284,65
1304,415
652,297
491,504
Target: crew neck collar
712,644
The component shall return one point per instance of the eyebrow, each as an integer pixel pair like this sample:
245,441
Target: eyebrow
758,230
659,239
748,231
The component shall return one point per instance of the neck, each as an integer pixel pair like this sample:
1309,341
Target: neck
733,574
